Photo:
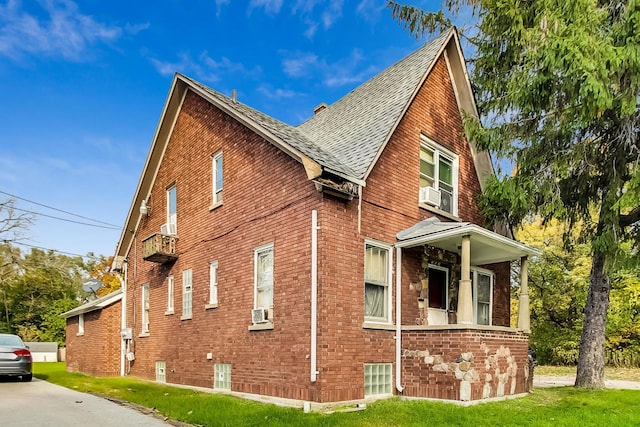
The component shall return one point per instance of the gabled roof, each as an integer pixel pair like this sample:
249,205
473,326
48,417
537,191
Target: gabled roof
344,139
357,127
96,304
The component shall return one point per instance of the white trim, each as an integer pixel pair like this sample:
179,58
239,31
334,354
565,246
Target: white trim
146,305
214,179
389,297
438,150
187,281
172,219
171,291
80,324
256,251
213,284
474,272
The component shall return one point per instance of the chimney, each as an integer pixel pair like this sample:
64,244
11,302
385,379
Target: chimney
319,108
234,95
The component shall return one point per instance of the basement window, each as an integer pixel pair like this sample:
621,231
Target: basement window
222,376
377,379
161,371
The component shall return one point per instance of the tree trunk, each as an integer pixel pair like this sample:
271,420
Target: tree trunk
591,359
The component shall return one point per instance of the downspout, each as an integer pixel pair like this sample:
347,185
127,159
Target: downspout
123,318
314,294
399,386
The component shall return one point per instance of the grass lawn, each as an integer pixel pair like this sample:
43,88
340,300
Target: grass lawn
564,406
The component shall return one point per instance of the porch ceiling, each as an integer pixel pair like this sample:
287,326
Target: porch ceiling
487,247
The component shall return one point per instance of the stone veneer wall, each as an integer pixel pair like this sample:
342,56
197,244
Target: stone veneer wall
465,364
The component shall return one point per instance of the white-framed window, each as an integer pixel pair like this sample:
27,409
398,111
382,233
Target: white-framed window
172,207
263,276
377,280
187,294
482,281
438,286
145,308
81,324
170,293
213,283
439,170
377,379
217,177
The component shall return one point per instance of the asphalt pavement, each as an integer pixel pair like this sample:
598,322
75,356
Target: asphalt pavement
39,403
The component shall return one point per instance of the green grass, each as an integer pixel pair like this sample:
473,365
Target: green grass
564,406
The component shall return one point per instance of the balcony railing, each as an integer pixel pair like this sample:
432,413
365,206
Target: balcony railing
159,248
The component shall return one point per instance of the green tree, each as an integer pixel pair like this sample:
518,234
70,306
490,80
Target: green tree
46,282
558,85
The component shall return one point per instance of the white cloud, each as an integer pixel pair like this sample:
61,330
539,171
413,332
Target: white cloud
271,7
220,4
370,10
343,72
204,68
300,65
63,31
277,94
332,13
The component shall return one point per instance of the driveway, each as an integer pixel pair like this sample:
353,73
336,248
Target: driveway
40,403
561,381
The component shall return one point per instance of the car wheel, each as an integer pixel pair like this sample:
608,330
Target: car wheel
27,378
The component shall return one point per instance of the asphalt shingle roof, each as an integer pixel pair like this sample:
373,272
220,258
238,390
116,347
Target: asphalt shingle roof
346,136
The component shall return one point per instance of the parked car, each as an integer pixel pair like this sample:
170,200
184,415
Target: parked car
15,357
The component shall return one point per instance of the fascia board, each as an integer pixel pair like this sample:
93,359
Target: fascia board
170,110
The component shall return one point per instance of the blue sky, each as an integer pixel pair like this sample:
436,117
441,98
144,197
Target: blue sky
82,86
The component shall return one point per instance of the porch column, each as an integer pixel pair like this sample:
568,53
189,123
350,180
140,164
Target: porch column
465,299
523,306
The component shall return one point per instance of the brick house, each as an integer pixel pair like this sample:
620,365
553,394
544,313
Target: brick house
338,260
93,341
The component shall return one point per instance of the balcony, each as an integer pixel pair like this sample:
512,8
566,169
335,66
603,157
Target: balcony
159,248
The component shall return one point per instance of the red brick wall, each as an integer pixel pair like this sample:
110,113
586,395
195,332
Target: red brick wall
267,199
97,351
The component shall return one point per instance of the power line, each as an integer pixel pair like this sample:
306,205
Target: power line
51,250
59,210
68,220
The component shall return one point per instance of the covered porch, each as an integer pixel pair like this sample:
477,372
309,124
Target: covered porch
454,338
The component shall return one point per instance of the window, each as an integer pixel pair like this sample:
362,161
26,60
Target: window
213,283
187,294
263,276
482,295
377,276
377,379
172,207
81,324
439,170
161,371
145,309
222,376
217,178
170,292
438,286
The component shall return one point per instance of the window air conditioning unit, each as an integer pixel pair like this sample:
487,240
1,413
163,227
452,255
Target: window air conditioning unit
260,315
168,229
430,196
